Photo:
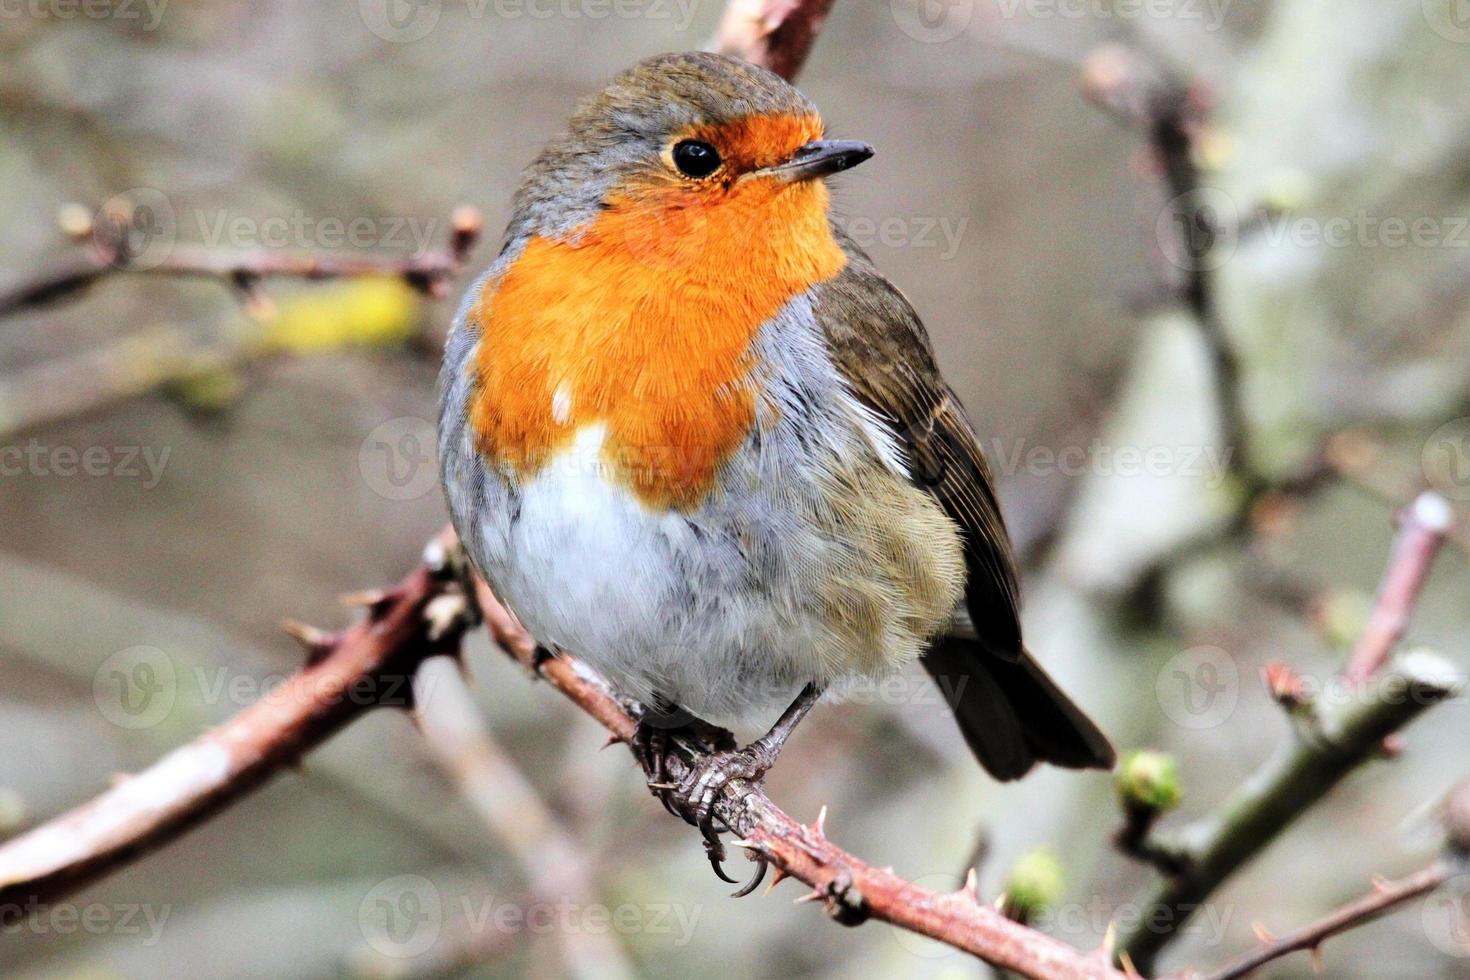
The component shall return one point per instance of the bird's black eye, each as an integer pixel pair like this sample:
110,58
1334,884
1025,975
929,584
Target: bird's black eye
696,159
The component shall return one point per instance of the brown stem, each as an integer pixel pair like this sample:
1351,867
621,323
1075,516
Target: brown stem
430,273
1386,896
373,664
775,34
1423,528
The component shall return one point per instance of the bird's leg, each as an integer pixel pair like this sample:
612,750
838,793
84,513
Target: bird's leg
702,784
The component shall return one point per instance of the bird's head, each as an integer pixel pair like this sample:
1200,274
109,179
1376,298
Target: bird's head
680,143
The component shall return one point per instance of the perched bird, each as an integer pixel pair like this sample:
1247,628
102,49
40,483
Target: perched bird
689,432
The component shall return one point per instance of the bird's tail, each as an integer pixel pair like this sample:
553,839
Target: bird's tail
1012,714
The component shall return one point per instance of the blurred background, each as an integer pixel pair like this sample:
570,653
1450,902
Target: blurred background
183,471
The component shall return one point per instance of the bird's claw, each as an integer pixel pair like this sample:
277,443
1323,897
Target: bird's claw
701,787
693,797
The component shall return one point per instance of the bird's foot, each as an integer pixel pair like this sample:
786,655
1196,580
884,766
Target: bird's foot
702,785
658,739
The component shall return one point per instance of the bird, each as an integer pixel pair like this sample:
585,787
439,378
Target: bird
688,431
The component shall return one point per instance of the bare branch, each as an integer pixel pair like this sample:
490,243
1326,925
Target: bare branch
352,672
1386,896
107,254
1423,528
775,34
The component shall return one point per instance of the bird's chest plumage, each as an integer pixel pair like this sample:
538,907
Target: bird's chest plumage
643,325
695,504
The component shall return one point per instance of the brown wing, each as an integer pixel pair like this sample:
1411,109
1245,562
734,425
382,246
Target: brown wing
880,346
1011,712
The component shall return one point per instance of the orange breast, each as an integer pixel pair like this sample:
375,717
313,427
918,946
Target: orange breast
644,323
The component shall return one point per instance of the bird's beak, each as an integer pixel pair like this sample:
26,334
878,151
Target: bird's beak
820,158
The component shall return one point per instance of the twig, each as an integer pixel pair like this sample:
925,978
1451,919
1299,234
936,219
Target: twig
1386,896
350,673
1141,93
775,34
511,808
1344,732
107,254
1424,526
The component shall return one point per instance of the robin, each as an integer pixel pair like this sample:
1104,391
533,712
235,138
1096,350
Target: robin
688,431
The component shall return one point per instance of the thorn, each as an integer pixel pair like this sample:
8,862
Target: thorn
1129,970
317,642
1110,940
611,741
820,827
1262,933
972,886
815,895
664,786
1381,884
743,845
372,599
1318,964
778,875
1393,746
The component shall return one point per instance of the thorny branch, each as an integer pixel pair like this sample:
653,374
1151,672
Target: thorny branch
1333,736
851,890
1385,897
369,665
348,674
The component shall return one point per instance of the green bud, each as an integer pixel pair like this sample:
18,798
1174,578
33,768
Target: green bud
1149,781
1036,883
